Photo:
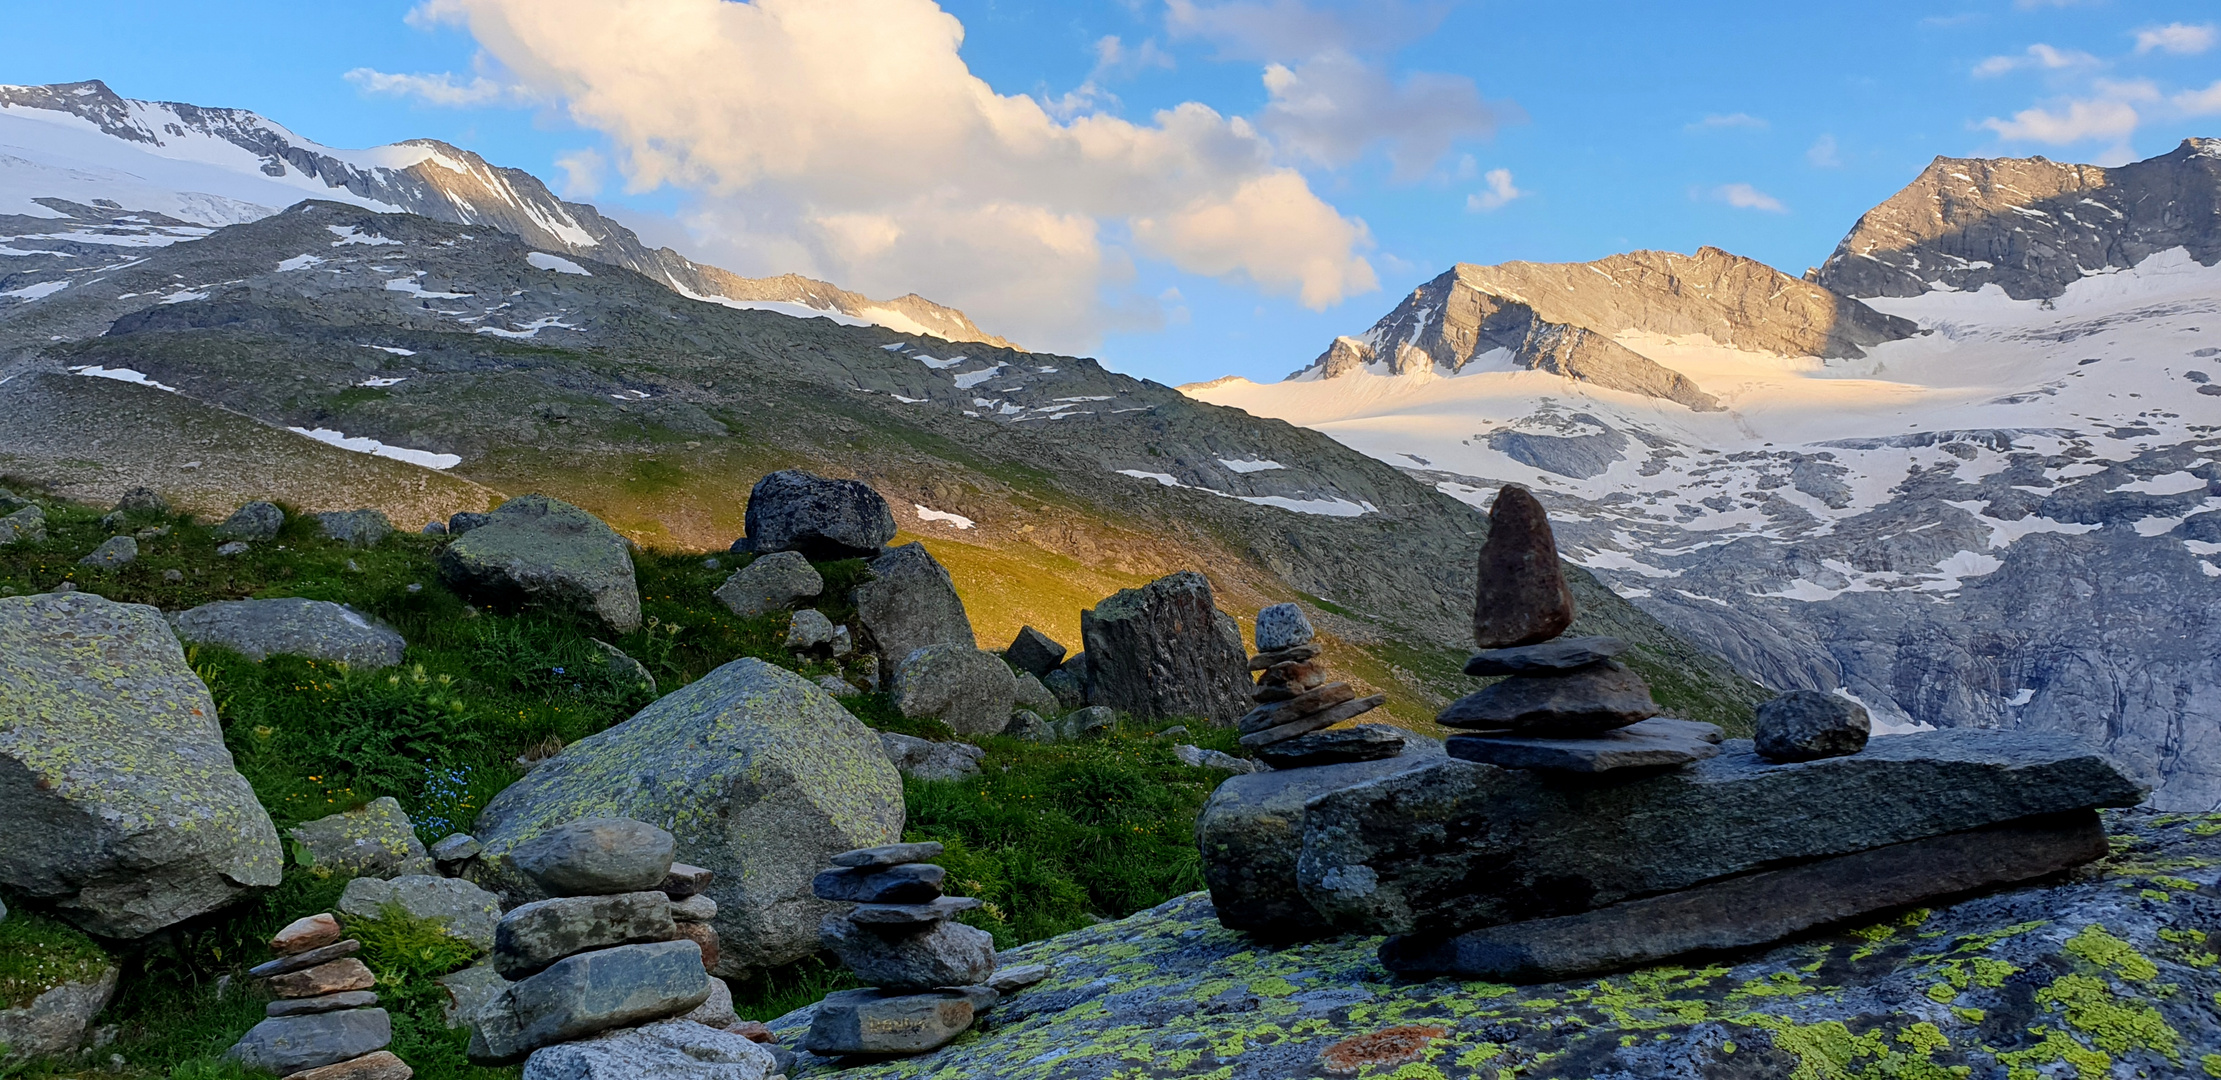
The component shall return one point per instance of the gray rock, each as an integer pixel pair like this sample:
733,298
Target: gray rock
596,856
1324,718
948,954
716,1010
317,629
842,643
1802,725
1033,652
126,811
1300,704
254,521
893,917
112,552
1065,683
625,667
27,524
1651,744
759,775
908,604
235,547
456,848
1521,597
1502,845
434,528
468,991
773,582
290,1044
686,880
467,912
1560,655
142,500
924,759
809,630
345,999
1365,742
835,685
666,1050
532,936
1028,725
1283,626
460,523
53,1024
1586,701
880,1022
543,552
375,840
794,510
1087,723
1026,692
694,909
959,685
1294,654
355,528
10,502
1200,758
909,883
1166,650
589,993
305,959
1010,980
889,854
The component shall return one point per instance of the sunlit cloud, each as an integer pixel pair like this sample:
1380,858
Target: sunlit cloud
1746,197
2182,39
1331,109
2110,115
2037,57
1499,191
444,89
2206,102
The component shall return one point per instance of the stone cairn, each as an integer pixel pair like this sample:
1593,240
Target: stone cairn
930,977
323,1025
1296,704
1567,705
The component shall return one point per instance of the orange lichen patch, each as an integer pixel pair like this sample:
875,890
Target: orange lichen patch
1392,1046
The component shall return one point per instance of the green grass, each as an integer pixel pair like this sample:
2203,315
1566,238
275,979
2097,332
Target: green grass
38,953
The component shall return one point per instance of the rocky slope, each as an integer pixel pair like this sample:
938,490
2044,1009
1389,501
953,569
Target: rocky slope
87,178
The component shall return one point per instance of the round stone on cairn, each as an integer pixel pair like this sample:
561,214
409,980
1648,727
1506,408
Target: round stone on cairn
929,975
1288,728
322,1026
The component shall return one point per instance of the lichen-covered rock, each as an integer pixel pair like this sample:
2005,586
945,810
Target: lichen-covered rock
596,856
1165,649
292,626
26,525
355,528
667,1050
120,804
112,552
467,912
772,582
53,1022
532,936
809,629
254,521
588,993
375,840
289,1044
966,688
2108,974
1026,692
925,759
792,510
909,603
534,550
761,777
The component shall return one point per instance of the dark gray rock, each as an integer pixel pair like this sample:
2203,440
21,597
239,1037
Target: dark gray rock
1296,706
460,523
254,521
686,880
293,626
456,848
290,1044
589,993
53,1023
1650,744
1066,685
306,959
1802,725
355,528
469,991
465,911
1197,757
1521,597
1165,650
948,954
1294,654
1087,723
665,1050
1034,652
544,552
1589,700
1283,626
908,604
1365,742
964,687
1324,718
882,1022
893,917
909,883
1026,692
1454,845
532,936
924,759
434,528
809,629
112,552
1028,725
794,510
695,908
626,668
142,500
773,582
345,999
1577,456
596,857
1561,655
1009,980
890,854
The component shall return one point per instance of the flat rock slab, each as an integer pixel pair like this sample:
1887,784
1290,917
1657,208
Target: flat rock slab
665,1050
302,961
293,626
890,854
588,993
1756,908
1456,845
894,916
334,977
1599,697
345,999
1323,718
878,1022
1365,742
532,936
910,883
1651,744
597,856
380,1065
1562,654
289,1044
1293,708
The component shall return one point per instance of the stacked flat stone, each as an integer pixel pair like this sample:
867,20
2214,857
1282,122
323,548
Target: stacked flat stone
323,1025
622,940
928,974
1567,705
1296,703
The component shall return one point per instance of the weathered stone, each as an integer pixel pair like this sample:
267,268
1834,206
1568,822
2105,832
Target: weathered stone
894,916
434,528
112,552
235,547
1803,725
289,1044
317,629
809,629
1026,692
792,510
374,840
591,992
302,961
1291,679
1034,652
842,642
142,500
345,999
1521,597
468,991
544,552
1563,654
889,854
909,603
627,669
1593,699
53,1024
1165,649
1283,626
125,810
1756,908
456,848
336,977
880,1022
465,911
1454,845
666,1050
1365,742
1317,699
254,521
465,521
948,954
1197,757
924,759
1010,980
1651,744
705,936
694,909
966,688
716,1010
26,524
355,528
1294,654
377,1065
1028,725
760,777
685,879
1066,684
773,582
1322,719
305,933
532,936
597,856
909,883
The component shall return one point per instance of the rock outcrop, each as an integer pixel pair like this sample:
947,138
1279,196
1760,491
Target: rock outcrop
909,603
317,629
534,550
1165,649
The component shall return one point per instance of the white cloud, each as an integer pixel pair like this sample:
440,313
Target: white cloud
2038,56
1746,197
2110,115
441,89
1114,57
2206,102
1716,121
847,138
1333,107
1822,153
2182,39
1500,191
582,173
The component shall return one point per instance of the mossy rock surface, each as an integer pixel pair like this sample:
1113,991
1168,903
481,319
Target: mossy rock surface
2112,972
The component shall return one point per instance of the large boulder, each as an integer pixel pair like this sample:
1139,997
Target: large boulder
759,775
373,840
547,553
793,510
910,603
1165,649
120,804
317,629
355,528
26,524
769,583
968,689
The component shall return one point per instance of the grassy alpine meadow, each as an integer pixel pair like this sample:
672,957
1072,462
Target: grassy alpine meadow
1051,837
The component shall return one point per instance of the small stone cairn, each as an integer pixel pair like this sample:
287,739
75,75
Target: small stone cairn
1567,706
1296,703
323,1025
930,977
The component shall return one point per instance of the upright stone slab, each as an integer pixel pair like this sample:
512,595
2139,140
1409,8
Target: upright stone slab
1165,649
793,510
1034,652
910,603
544,552
1521,597
125,811
292,626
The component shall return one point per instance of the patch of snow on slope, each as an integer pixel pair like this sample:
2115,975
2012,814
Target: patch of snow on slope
529,329
926,513
183,295
365,445
557,263
299,262
379,383
973,378
409,285
1232,465
38,291
348,234
392,349
120,375
2174,483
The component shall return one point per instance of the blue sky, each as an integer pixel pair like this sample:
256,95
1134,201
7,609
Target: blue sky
1762,128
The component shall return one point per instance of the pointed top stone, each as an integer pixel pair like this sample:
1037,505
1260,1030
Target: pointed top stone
1522,597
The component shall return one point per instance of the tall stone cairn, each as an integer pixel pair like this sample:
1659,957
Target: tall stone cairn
1297,706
